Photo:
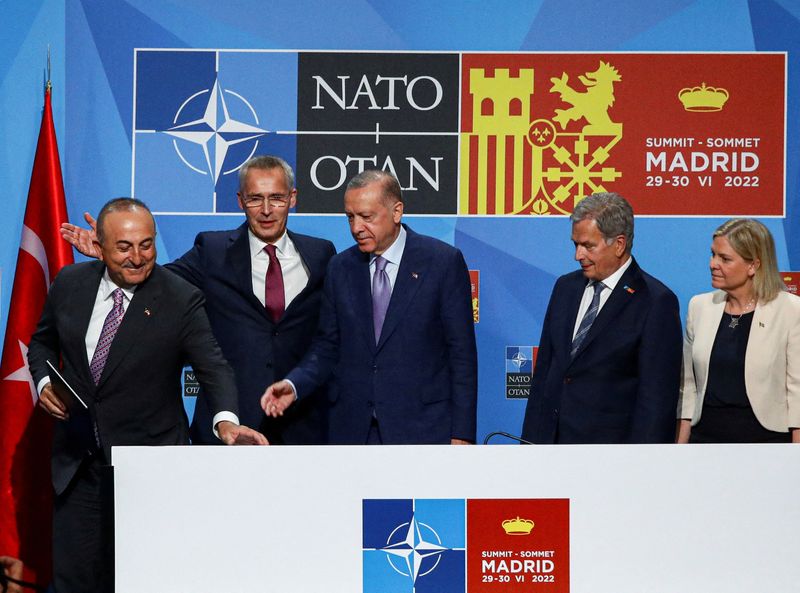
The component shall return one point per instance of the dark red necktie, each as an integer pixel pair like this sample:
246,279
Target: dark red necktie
274,299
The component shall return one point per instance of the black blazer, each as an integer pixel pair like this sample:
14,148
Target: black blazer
622,386
138,399
260,351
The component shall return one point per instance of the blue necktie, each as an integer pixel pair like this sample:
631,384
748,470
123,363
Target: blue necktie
588,319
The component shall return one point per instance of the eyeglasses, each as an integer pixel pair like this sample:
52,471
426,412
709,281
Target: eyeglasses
274,200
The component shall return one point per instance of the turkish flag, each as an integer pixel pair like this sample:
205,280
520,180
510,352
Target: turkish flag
25,431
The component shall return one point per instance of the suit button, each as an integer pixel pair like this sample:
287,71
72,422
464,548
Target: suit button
274,333
374,368
567,380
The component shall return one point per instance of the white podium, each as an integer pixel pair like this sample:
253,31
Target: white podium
642,519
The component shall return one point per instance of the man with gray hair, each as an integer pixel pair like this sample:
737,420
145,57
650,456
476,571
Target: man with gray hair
609,359
263,287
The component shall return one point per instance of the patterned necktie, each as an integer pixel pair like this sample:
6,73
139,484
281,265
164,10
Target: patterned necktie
274,298
381,294
588,319
110,327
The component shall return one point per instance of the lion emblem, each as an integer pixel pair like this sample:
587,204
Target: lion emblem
591,105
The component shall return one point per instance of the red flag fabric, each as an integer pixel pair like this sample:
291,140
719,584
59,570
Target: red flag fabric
25,431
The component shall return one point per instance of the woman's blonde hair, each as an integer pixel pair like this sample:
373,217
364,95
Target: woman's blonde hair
753,241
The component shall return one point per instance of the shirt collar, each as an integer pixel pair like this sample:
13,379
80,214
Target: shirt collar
257,245
107,286
613,280
394,253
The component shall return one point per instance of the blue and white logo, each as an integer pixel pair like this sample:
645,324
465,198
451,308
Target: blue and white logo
199,115
519,359
414,545
215,132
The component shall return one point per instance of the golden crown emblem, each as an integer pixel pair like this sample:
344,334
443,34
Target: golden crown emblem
703,98
517,526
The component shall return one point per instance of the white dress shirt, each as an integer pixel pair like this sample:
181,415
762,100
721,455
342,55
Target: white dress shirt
103,304
294,271
588,293
392,255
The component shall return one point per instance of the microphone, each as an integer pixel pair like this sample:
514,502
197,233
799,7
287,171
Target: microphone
508,436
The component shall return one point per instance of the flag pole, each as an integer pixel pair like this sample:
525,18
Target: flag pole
25,432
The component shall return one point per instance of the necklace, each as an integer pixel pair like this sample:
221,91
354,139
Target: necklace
735,319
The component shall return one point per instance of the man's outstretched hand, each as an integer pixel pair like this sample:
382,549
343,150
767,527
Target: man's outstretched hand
80,238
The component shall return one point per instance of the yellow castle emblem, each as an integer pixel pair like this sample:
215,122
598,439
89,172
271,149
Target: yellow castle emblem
513,163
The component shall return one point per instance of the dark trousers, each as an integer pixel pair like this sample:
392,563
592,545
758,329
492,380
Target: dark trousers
83,532
374,434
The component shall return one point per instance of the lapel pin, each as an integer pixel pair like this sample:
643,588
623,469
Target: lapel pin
414,275
761,324
147,312
628,289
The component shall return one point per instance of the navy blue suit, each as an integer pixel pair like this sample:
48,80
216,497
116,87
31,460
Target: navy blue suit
420,380
259,350
622,385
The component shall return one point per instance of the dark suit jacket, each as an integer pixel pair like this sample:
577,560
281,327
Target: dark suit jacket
622,385
138,400
421,378
260,351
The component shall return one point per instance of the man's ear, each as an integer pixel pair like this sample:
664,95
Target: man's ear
397,211
620,243
99,249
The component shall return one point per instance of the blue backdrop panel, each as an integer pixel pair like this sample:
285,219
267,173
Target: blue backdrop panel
112,47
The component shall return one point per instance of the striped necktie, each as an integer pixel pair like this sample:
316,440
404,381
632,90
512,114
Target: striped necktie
588,319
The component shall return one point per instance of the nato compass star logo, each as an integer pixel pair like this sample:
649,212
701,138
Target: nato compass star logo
216,131
198,115
414,546
414,555
519,359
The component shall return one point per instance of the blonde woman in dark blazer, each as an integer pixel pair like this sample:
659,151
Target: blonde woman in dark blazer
741,353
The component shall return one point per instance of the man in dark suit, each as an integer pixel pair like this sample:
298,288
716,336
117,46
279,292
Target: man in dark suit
232,268
396,332
609,360
122,328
